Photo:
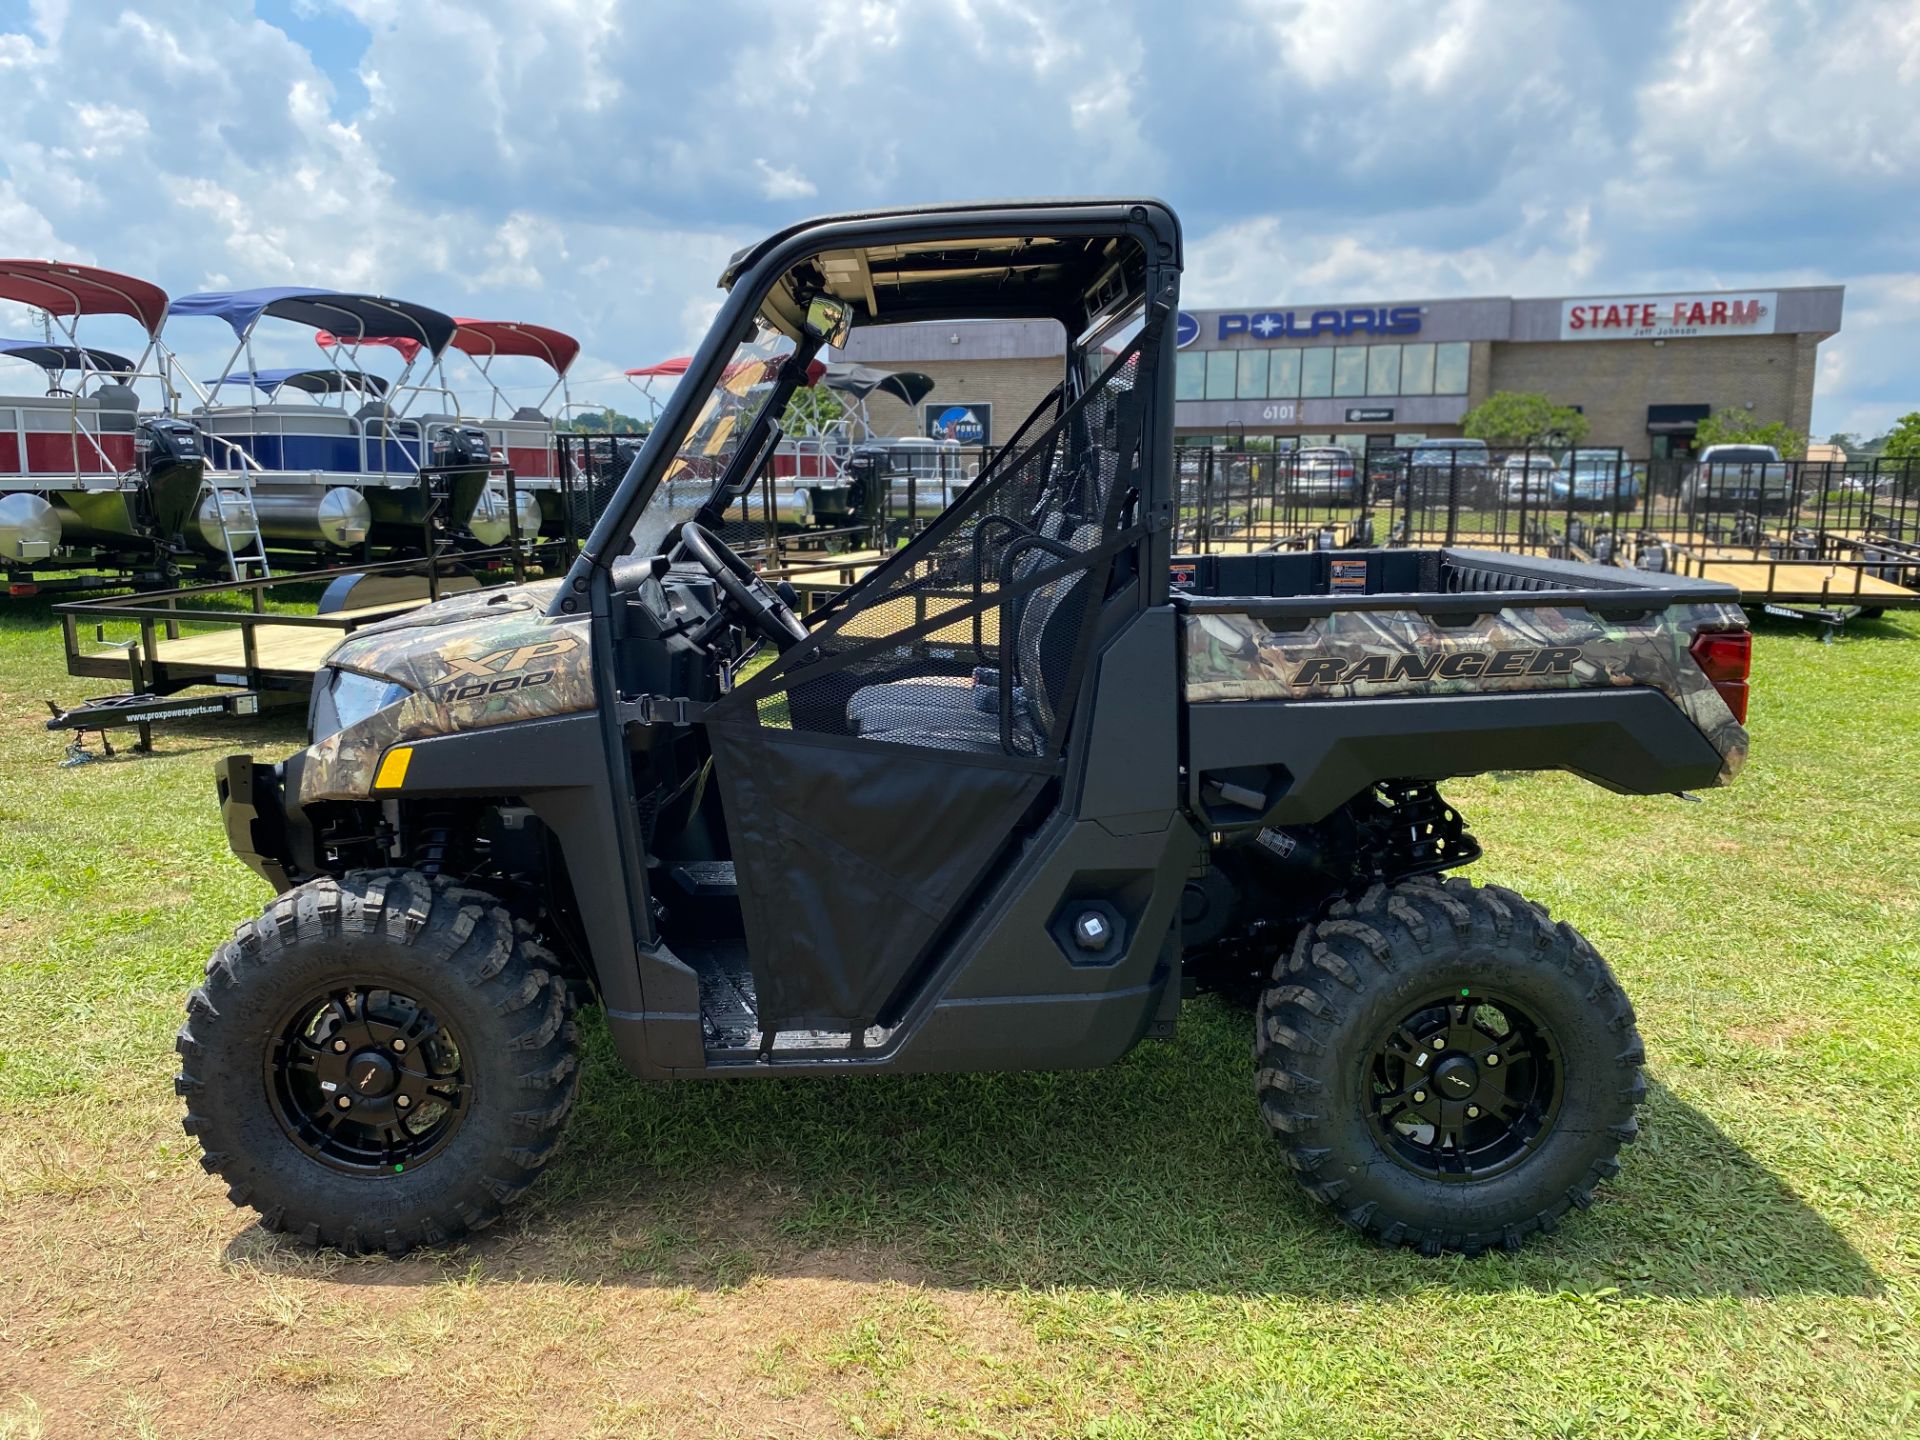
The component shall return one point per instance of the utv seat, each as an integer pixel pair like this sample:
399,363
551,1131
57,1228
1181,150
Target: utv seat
962,713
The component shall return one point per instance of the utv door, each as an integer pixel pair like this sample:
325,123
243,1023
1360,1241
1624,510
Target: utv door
873,777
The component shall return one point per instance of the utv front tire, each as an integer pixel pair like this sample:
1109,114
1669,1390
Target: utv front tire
1447,1067
378,1062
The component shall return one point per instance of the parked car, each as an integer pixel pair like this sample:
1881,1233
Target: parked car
1752,478
1385,470
1438,470
1326,472
1595,478
1528,476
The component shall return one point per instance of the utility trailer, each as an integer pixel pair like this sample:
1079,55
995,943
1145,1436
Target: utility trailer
230,650
1002,803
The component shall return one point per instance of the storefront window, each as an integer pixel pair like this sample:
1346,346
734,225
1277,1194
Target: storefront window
1383,370
1316,374
1253,374
1416,369
1190,376
1283,378
1355,443
1350,370
1450,369
1220,373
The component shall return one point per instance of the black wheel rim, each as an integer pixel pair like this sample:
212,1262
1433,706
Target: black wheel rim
364,1079
1465,1087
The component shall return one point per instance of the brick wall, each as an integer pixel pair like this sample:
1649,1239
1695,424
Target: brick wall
1613,381
1012,387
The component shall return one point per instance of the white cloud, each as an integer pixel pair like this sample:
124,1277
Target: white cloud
777,183
591,163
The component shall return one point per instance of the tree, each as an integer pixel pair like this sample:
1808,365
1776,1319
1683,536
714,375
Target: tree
599,422
1741,427
1518,417
811,410
1903,441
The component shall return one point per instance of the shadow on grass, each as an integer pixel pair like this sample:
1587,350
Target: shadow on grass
1154,1175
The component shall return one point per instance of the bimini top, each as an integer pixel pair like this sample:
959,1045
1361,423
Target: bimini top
352,318
323,381
514,337
54,358
860,381
676,366
61,289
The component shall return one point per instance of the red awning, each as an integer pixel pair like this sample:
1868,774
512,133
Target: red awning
676,366
407,348
82,290
514,337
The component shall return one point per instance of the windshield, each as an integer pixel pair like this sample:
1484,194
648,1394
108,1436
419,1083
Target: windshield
746,384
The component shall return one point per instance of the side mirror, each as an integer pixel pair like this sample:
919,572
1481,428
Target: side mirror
829,320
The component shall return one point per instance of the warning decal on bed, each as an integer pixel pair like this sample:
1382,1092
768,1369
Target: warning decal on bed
1348,575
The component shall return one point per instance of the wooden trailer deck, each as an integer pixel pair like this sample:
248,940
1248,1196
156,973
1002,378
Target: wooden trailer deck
286,648
1763,580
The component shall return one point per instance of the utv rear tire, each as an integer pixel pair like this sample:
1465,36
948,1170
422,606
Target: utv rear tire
1343,1051
430,980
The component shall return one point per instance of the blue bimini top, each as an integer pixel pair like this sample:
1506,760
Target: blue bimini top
352,318
324,380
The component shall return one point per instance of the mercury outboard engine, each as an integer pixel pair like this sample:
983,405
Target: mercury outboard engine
459,446
172,462
463,456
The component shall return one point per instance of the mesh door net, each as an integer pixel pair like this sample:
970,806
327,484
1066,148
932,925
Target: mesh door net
972,638
872,776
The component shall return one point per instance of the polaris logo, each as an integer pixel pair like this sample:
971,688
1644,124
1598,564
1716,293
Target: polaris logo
1288,324
1459,665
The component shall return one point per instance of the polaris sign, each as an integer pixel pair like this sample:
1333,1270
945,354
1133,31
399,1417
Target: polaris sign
1306,325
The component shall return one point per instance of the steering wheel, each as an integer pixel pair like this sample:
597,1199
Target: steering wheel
756,600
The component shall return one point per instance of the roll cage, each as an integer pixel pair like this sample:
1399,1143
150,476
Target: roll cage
1082,263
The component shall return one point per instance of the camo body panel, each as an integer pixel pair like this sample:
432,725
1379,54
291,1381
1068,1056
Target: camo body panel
489,657
1236,656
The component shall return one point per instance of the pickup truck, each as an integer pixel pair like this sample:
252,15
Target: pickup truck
1747,478
1001,804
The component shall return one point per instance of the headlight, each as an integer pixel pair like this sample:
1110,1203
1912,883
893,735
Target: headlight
343,697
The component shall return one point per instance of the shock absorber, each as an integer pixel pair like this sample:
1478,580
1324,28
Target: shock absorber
435,842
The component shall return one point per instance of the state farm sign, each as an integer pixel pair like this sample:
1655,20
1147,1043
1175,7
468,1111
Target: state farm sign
1668,317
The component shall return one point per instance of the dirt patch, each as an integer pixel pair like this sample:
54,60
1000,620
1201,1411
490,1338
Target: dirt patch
156,1308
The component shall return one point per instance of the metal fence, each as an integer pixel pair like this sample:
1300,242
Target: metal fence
1586,503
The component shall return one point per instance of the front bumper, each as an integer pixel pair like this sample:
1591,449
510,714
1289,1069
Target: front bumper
253,808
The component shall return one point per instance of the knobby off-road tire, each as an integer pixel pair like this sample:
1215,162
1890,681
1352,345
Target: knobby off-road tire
1338,1065
436,982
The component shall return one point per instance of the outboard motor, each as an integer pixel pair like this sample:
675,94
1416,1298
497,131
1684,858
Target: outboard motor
459,446
171,458
463,456
863,475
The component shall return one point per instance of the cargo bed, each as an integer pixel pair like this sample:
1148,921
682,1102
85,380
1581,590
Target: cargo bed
1437,663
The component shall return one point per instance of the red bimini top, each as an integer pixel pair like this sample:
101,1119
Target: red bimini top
326,339
676,366
62,289
516,337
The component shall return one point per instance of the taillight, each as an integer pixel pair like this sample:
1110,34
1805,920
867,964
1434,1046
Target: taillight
1726,657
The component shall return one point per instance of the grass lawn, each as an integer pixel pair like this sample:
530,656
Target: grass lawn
1107,1254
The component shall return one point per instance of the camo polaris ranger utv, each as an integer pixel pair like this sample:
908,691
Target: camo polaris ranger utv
998,805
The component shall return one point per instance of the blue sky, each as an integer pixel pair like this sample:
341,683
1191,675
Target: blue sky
591,163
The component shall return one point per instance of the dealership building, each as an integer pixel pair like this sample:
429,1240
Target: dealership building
1644,369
